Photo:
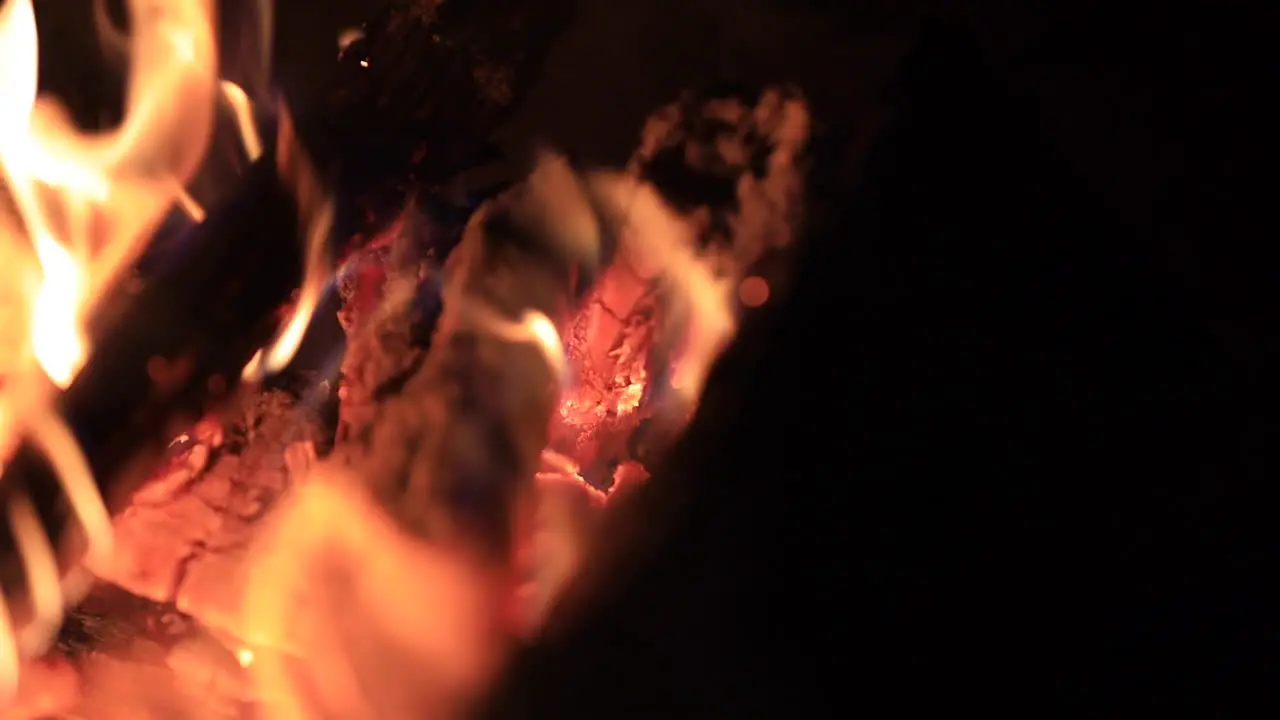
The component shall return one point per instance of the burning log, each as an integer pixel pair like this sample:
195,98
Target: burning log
452,448
450,438
165,628
732,163
442,441
451,457
473,419
382,290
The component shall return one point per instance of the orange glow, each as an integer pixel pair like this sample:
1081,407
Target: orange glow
657,241
342,644
753,291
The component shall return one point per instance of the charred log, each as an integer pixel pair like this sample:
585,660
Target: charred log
418,97
455,447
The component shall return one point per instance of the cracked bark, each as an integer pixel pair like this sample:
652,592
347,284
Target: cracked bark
156,638
218,485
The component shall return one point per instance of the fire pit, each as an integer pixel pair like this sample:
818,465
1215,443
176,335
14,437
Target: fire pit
222,547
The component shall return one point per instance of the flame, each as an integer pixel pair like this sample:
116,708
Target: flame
337,639
243,111
316,276
533,328
75,210
88,201
315,208
57,338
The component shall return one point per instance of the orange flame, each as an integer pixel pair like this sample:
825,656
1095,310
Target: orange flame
315,208
79,208
89,201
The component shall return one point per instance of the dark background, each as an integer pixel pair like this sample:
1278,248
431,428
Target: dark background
1007,444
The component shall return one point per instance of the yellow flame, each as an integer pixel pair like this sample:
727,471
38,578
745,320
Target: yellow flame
243,112
190,206
57,338
315,207
88,201
42,577
280,352
542,332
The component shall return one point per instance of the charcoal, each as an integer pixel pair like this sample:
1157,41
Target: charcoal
417,99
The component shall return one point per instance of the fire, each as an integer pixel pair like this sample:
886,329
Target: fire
57,339
343,645
79,208
76,210
533,328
